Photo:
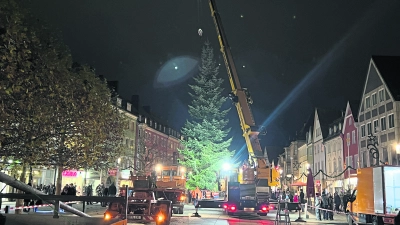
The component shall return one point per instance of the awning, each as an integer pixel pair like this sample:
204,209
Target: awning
299,183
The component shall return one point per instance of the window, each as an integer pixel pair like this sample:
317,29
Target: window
362,130
353,137
374,99
367,102
391,120
350,121
383,123
339,163
351,161
369,128
356,161
376,126
348,139
381,95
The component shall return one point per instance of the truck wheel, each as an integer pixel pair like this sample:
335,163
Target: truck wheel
180,210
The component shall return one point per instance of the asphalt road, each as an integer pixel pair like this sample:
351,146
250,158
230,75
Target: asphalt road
208,216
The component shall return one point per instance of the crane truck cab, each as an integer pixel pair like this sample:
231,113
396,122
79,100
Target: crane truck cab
376,199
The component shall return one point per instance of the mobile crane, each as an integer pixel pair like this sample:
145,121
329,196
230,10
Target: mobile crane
254,190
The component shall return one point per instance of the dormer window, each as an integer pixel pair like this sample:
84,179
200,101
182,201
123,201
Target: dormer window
151,123
128,107
334,128
119,102
340,126
330,130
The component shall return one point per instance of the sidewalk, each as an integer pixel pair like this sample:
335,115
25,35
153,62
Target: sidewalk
337,218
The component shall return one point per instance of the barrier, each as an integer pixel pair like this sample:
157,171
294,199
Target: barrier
32,206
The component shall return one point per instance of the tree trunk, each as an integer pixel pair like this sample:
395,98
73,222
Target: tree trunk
59,180
20,202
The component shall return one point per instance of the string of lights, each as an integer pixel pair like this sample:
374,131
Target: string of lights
325,174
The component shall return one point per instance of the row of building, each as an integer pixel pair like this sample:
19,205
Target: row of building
148,141
331,141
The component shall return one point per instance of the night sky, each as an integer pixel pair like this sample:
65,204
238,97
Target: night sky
291,55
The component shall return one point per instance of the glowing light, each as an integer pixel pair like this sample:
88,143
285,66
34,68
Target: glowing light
158,167
398,149
226,166
176,70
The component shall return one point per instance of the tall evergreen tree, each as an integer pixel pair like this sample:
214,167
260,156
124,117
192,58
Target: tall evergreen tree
206,134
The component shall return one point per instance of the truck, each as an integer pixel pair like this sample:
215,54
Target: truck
170,184
142,206
253,188
376,198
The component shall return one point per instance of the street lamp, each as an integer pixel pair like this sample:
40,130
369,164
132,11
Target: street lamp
226,166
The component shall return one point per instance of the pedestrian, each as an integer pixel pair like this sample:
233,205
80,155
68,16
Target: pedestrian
27,201
89,192
337,202
317,206
330,206
296,200
325,205
302,199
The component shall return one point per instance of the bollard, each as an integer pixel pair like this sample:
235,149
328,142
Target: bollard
56,209
6,209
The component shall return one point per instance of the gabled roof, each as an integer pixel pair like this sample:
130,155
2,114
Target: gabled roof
389,69
326,117
332,125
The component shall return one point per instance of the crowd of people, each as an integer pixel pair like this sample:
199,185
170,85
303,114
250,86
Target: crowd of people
325,204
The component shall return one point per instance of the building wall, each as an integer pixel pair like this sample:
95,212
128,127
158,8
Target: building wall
319,153
302,159
334,163
380,112
350,143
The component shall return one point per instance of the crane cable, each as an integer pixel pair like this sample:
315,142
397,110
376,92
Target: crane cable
199,13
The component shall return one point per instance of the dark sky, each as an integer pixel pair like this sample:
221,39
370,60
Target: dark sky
297,54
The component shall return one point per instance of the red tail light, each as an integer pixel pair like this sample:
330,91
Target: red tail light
264,208
271,207
233,208
225,206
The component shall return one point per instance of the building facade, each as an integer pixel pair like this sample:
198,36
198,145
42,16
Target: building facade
334,157
379,114
350,144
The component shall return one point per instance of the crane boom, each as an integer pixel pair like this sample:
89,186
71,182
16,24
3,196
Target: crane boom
247,123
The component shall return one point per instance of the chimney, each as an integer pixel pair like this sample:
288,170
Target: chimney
147,109
113,85
135,101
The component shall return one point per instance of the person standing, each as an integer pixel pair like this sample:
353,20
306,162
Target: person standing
317,206
302,199
330,206
296,199
338,201
89,192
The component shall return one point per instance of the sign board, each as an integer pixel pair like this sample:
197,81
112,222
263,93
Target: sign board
70,173
112,172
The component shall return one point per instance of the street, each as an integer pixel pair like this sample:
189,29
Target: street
208,216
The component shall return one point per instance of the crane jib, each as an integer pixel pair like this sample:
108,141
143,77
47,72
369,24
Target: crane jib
242,100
